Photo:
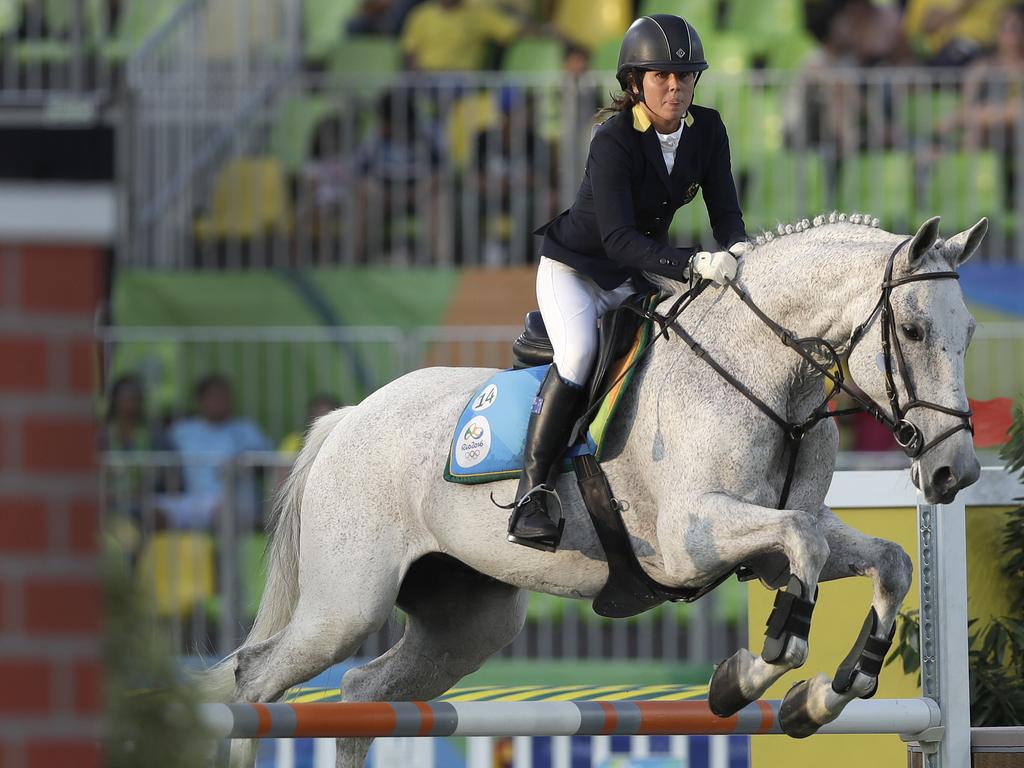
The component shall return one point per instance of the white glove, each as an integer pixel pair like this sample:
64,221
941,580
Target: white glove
741,248
716,267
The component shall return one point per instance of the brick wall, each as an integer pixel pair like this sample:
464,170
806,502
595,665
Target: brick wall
50,607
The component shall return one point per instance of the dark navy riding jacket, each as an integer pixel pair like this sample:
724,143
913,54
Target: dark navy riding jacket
618,226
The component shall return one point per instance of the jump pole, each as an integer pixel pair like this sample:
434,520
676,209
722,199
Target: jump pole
908,717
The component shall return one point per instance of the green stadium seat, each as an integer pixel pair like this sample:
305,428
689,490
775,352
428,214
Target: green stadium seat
783,188
926,107
543,607
702,14
753,119
789,51
10,15
292,134
533,54
881,184
764,19
730,53
690,223
58,46
373,59
962,187
252,571
323,26
606,56
730,606
139,20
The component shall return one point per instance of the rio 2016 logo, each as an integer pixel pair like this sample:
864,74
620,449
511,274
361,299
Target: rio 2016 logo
474,443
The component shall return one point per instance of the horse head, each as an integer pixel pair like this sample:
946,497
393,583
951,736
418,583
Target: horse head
909,358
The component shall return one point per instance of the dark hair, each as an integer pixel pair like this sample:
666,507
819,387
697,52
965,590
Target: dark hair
623,100
120,383
209,381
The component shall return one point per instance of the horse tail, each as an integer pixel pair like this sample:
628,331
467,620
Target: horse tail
281,592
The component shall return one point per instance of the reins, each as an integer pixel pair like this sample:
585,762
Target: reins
907,434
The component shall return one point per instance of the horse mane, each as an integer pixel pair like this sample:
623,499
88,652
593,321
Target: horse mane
864,219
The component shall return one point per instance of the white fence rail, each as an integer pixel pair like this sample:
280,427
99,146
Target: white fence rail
275,371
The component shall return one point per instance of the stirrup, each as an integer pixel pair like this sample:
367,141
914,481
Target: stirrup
544,543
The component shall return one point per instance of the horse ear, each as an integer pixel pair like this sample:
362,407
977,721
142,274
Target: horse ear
922,243
961,247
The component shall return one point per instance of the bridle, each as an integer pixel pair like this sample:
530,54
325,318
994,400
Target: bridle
907,434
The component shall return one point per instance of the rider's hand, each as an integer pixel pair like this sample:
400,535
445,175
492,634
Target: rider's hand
741,248
716,267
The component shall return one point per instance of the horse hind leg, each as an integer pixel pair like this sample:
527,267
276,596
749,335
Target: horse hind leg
812,703
456,619
319,634
793,534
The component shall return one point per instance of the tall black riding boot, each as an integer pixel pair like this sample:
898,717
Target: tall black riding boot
554,413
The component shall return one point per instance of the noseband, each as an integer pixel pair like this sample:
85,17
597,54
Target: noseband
907,434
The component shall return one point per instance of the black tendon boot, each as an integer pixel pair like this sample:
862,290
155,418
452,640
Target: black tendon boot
554,412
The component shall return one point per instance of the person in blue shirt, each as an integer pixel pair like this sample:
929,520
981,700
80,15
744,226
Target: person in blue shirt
206,442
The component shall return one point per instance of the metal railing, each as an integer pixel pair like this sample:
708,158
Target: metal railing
198,556
333,168
190,91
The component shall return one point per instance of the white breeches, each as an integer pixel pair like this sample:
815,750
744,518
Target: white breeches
570,304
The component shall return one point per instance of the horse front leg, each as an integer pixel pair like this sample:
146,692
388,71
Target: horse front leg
812,703
727,531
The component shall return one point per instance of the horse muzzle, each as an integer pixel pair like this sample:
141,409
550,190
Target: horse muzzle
941,481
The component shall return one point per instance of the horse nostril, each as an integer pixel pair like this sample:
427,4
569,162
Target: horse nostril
943,478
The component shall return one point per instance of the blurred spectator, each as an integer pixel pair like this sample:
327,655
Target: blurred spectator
992,97
511,162
319,405
125,431
380,17
840,116
589,24
951,32
125,428
575,60
206,443
398,170
453,35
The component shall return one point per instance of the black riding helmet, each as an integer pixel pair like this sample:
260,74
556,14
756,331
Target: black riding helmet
660,42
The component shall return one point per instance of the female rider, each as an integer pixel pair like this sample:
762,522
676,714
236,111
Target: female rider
646,161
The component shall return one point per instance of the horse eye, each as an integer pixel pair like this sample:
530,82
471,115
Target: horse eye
911,331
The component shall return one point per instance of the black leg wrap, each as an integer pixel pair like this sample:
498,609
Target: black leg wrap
790,617
867,656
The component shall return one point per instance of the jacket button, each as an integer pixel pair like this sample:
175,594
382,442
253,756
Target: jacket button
657,218
675,263
648,233
663,261
664,203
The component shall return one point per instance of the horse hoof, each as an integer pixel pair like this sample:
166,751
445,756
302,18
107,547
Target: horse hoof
794,712
724,695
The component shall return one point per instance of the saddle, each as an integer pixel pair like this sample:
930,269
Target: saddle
617,331
629,590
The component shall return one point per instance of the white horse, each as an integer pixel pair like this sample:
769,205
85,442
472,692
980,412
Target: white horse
365,521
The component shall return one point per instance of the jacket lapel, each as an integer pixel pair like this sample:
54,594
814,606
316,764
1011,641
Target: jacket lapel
652,151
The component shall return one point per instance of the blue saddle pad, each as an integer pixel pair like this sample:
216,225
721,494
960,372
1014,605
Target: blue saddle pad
491,434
